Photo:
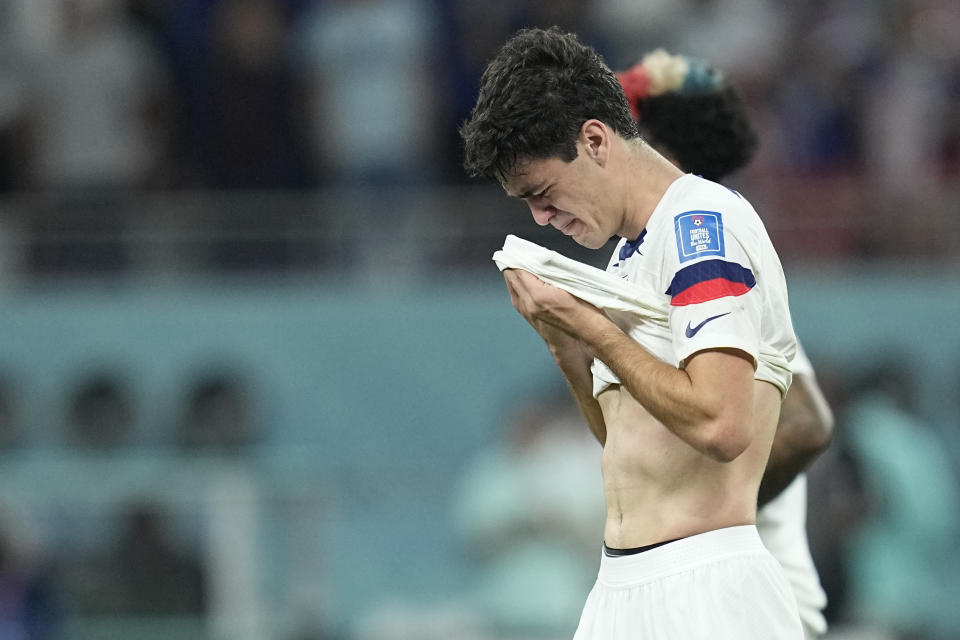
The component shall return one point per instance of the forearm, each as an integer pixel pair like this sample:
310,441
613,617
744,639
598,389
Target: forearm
782,468
574,363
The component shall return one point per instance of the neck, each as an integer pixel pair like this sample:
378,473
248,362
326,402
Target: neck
649,175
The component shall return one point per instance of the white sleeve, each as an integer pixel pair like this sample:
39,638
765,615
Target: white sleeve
801,364
710,278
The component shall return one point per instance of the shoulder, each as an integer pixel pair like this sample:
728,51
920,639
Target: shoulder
692,195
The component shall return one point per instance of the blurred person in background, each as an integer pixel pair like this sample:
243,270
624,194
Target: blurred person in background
686,421
144,571
373,87
692,114
910,100
907,98
250,113
30,607
217,416
902,562
469,32
531,550
14,109
100,91
101,412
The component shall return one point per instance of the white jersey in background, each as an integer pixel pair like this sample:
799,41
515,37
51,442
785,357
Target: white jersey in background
782,524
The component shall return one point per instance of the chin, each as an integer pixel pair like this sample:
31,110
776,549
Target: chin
590,242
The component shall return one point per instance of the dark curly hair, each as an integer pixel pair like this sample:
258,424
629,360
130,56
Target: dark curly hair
708,134
534,97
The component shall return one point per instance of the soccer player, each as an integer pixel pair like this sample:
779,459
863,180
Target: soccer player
685,401
689,112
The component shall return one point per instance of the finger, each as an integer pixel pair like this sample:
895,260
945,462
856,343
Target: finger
526,284
509,276
515,282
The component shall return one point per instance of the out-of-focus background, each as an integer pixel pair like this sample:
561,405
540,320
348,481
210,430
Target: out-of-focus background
259,378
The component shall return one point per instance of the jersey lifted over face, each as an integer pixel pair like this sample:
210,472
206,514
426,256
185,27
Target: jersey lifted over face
706,264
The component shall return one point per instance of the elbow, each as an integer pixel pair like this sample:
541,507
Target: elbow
811,433
725,441
819,434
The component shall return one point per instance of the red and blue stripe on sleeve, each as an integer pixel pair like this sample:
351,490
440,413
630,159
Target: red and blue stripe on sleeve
709,280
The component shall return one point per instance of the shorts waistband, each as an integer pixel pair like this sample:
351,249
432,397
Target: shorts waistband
680,555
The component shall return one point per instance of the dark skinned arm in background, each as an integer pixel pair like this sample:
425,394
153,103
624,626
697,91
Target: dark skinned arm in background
804,431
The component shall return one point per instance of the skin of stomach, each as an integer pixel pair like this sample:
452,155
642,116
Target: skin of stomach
659,488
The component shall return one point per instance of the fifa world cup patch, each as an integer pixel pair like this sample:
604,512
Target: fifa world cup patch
699,233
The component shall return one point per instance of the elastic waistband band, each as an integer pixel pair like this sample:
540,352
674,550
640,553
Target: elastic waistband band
680,555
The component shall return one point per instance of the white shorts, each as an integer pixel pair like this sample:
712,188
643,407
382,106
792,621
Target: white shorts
718,585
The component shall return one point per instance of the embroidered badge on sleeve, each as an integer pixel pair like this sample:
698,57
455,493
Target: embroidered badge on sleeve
699,233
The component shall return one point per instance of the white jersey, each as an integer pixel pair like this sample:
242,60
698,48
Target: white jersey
782,526
706,266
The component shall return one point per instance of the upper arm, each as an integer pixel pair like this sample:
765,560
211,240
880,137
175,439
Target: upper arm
722,380
725,377
714,298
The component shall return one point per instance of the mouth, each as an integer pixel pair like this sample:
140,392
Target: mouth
567,228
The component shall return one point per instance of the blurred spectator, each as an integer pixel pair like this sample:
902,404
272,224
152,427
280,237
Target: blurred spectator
100,87
14,127
249,108
902,564
743,37
374,119
29,607
818,106
217,414
16,102
908,96
837,508
469,34
144,572
100,411
530,512
634,27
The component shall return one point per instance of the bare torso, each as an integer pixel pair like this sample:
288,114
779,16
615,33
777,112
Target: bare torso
660,488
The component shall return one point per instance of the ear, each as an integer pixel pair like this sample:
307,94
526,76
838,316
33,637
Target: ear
595,139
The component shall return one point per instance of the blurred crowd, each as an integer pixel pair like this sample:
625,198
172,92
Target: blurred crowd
856,102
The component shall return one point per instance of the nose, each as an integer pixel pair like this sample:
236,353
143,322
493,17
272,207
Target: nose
542,214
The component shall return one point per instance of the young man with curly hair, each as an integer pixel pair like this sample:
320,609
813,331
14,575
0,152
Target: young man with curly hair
684,399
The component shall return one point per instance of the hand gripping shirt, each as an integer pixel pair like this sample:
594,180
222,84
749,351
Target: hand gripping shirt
707,267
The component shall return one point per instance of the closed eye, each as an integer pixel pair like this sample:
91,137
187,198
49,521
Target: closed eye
529,195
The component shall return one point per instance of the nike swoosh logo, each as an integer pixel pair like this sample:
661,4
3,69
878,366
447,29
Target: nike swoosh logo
693,331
